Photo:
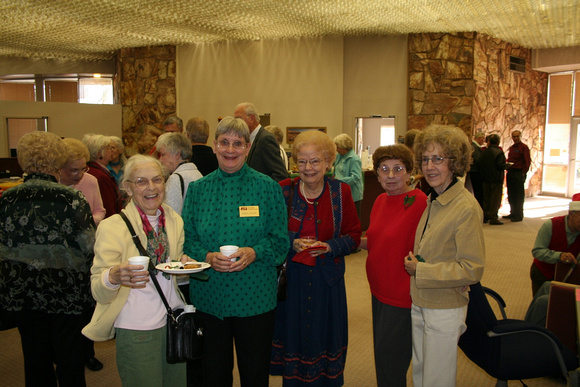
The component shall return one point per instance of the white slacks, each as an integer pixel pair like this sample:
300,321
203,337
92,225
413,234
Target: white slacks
435,334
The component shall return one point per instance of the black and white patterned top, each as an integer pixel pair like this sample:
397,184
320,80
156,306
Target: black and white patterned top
47,235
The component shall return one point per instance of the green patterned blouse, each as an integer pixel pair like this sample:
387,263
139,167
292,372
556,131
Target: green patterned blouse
211,216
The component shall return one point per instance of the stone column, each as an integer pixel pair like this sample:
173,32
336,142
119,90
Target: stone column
147,93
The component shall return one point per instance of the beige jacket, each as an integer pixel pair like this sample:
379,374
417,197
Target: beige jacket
453,248
114,246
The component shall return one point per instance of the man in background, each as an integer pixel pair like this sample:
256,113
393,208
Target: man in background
518,164
264,153
173,124
492,167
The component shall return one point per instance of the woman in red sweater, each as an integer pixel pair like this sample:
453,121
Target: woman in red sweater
389,239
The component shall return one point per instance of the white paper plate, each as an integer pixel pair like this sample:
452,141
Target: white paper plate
176,268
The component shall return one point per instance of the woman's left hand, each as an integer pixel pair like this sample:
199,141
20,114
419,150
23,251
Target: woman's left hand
316,253
245,255
411,263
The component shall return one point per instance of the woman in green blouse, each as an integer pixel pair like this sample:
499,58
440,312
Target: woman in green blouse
236,205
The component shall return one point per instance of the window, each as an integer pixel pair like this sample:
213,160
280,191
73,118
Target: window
96,90
76,88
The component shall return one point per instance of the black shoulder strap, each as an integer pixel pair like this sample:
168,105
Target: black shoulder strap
151,268
182,184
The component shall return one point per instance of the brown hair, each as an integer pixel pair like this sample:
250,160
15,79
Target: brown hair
393,152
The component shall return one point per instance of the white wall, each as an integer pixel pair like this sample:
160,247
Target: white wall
64,119
300,82
375,80
297,81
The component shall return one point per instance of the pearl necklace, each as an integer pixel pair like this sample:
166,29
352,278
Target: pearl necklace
303,194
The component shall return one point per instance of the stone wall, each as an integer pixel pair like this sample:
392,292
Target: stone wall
441,80
147,93
506,100
463,79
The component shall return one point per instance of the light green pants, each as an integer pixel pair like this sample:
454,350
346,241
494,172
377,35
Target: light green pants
141,360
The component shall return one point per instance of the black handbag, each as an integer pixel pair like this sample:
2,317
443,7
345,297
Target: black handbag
184,327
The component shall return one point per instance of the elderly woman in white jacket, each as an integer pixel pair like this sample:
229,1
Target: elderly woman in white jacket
128,305
174,151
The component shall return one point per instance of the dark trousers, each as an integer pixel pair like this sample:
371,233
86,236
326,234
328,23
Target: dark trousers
49,339
253,343
516,192
392,343
477,185
491,200
537,278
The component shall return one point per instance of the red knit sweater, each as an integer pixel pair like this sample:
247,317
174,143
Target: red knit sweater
390,237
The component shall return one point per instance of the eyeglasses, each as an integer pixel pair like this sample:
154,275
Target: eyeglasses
225,144
397,171
143,182
304,163
76,172
436,160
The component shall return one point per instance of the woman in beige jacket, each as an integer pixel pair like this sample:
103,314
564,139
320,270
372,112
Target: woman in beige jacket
448,256
128,305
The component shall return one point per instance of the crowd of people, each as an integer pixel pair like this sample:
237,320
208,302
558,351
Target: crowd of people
63,238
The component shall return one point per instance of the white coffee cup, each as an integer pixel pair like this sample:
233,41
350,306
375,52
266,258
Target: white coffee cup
140,261
228,250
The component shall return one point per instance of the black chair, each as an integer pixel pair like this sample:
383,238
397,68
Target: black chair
511,349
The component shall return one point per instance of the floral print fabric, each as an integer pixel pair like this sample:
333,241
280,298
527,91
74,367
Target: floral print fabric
47,235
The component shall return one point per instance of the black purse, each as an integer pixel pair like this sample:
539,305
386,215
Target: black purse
184,327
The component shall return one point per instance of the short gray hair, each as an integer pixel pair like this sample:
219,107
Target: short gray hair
197,130
344,141
231,125
277,132
96,143
135,161
174,120
175,143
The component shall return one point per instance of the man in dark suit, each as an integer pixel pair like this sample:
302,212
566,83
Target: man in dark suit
264,153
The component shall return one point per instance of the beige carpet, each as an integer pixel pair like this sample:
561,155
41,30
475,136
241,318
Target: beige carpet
507,271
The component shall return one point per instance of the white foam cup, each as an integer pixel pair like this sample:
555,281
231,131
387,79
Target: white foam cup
144,261
228,250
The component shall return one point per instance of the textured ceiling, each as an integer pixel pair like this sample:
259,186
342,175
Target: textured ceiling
95,29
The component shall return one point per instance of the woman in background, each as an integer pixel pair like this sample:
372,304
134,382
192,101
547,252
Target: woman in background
118,158
46,251
277,132
389,238
449,242
101,153
202,156
348,168
174,150
74,175
311,335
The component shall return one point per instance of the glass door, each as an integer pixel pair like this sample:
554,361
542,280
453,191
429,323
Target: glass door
574,164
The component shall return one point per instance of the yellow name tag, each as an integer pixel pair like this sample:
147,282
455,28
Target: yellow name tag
249,211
